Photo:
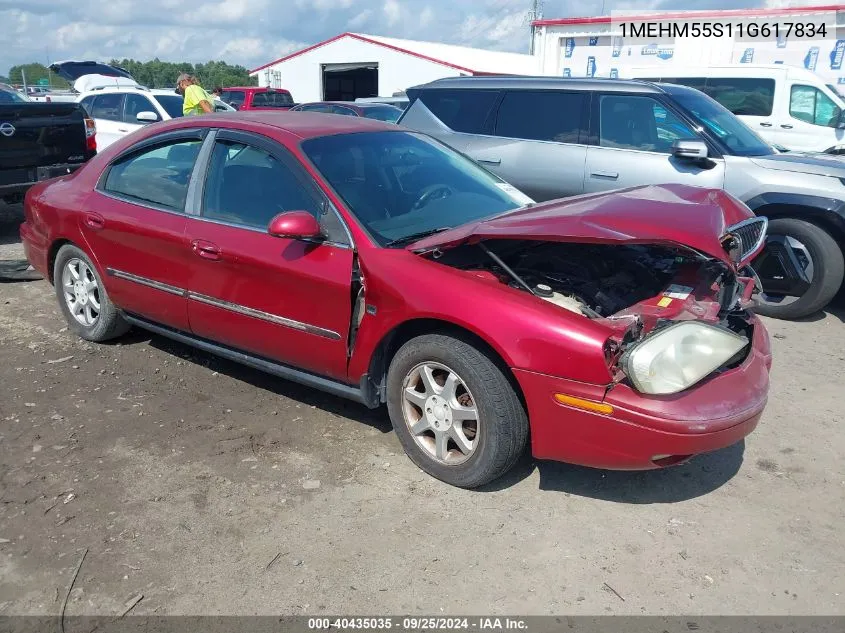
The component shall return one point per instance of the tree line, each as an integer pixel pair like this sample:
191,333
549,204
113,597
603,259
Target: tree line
153,74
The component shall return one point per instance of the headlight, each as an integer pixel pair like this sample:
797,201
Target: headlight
679,356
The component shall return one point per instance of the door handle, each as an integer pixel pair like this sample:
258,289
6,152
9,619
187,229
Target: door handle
94,221
490,161
206,250
786,126
613,175
122,129
764,124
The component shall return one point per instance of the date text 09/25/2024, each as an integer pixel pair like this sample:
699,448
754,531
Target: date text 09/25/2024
740,30
417,624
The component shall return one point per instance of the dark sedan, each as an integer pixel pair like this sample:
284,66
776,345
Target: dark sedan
377,111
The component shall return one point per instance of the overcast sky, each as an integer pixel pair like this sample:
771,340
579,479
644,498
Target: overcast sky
252,32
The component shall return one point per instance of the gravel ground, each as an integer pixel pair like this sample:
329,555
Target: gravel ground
209,488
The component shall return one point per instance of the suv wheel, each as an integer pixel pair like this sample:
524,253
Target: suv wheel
801,269
455,412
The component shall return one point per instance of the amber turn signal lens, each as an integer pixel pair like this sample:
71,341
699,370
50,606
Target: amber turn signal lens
587,405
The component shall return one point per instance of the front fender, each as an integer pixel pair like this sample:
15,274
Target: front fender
527,333
823,210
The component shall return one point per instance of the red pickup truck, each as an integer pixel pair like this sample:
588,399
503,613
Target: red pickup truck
254,98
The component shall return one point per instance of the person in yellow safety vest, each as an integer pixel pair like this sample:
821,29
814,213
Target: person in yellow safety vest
197,100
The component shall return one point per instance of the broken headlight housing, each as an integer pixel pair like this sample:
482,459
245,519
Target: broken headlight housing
679,356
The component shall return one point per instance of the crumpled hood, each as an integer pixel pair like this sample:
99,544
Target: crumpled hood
658,214
804,163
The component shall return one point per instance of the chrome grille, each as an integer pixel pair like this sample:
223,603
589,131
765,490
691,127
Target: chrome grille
750,235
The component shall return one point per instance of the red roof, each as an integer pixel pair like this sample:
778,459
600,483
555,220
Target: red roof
685,15
361,38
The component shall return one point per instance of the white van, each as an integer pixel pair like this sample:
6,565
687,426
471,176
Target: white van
787,106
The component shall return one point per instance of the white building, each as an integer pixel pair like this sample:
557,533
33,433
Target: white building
353,65
594,46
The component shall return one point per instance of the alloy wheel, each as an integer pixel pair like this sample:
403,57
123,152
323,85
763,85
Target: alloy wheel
441,413
81,291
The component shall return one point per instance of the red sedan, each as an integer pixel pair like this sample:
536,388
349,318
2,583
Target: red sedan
379,265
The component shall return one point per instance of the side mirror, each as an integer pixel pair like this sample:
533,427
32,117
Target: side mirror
840,121
147,117
296,225
689,149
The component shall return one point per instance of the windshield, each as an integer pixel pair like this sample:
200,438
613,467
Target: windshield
738,138
382,113
400,184
171,104
8,96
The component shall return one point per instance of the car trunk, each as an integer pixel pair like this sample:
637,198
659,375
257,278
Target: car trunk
87,75
40,135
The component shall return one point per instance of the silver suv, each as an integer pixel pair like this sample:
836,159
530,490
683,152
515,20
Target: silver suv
554,137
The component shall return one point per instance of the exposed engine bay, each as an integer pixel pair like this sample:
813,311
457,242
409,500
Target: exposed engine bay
595,280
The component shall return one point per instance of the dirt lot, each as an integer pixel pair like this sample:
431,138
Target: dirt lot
213,489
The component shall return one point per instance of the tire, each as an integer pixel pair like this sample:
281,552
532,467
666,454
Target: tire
499,433
828,263
108,323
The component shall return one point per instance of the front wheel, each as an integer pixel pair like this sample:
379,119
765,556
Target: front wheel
801,269
455,412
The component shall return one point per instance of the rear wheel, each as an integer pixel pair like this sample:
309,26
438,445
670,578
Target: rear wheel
83,299
455,412
801,269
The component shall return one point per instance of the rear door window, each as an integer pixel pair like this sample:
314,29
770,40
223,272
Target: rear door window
234,98
108,106
461,110
156,176
272,100
554,116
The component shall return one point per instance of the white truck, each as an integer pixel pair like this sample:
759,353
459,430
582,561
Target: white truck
789,107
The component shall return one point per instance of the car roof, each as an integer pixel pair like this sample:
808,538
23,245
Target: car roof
304,125
369,104
105,89
343,103
256,88
502,82
355,105
745,68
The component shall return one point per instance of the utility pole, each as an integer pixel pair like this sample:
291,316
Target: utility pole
535,13
23,79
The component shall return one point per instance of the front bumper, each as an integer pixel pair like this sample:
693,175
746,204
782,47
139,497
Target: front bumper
645,432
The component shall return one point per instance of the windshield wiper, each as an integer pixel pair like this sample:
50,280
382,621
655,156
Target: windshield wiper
413,237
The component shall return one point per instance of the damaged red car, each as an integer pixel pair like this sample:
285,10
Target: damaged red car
377,264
